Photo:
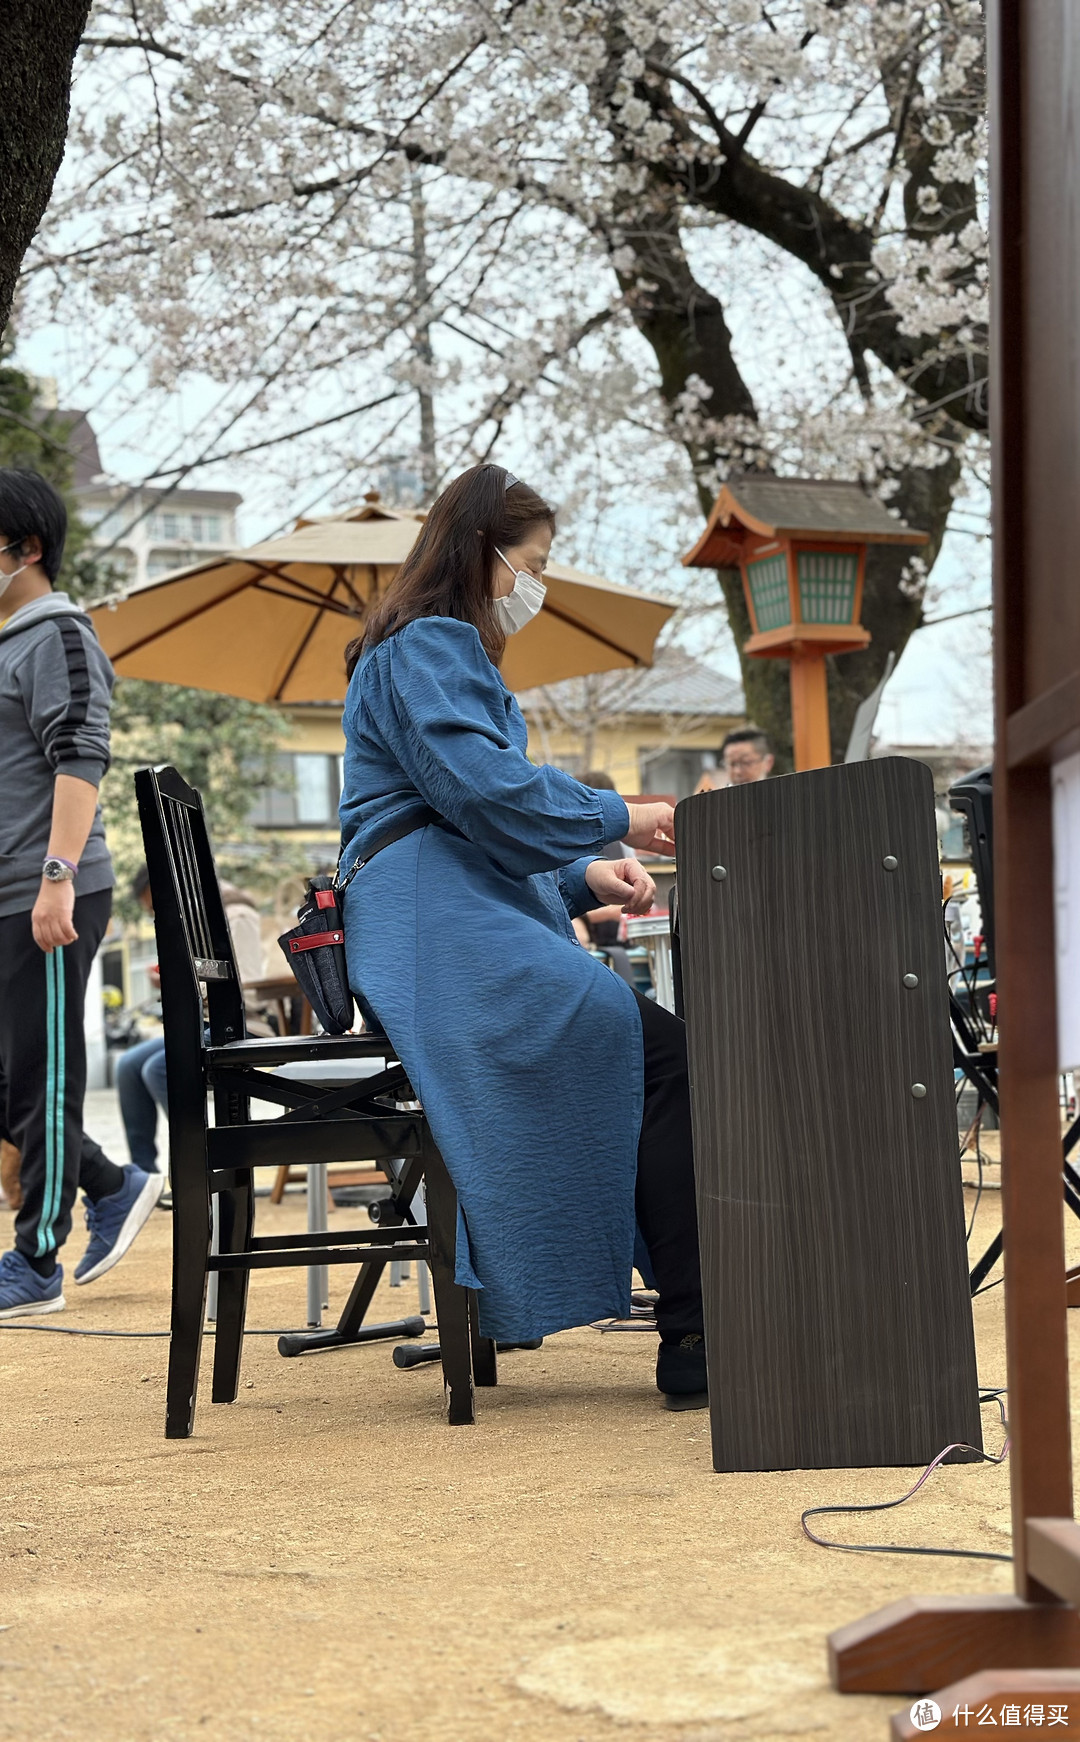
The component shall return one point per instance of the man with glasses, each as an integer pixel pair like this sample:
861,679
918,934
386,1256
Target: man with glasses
746,755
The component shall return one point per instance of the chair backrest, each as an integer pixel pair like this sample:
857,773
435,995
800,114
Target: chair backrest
194,944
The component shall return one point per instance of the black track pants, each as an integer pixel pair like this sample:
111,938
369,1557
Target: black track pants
665,1201
43,1074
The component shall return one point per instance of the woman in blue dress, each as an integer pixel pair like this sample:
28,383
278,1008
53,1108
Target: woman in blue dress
557,1095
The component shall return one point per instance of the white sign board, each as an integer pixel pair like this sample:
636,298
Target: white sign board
1066,795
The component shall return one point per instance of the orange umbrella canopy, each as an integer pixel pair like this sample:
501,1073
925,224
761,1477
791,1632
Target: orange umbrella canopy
271,623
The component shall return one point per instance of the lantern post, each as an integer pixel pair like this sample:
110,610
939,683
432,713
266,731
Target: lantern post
800,546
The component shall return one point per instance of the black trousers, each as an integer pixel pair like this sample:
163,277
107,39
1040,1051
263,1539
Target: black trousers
43,1075
665,1199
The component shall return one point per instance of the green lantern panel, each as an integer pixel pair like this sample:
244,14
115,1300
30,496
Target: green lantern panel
769,591
827,585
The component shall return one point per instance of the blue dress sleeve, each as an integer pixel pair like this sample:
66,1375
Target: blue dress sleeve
441,707
577,896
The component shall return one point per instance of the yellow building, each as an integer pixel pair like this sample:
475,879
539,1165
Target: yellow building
655,729
652,730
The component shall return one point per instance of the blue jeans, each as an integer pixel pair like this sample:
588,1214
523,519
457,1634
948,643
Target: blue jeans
140,1085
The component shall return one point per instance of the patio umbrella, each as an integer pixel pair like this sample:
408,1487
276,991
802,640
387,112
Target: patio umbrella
271,623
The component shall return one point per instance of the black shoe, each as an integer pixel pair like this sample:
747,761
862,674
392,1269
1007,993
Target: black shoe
681,1374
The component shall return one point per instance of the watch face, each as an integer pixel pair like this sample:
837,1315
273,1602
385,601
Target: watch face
56,871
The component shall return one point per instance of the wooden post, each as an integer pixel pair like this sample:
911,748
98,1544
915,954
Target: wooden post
1035,214
810,712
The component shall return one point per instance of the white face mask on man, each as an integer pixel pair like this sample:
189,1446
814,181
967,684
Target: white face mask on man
6,580
522,603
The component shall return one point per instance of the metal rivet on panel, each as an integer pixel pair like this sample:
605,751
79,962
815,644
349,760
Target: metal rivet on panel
911,980
719,872
919,1091
890,861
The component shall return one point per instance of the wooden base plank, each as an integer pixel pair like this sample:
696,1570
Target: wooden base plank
922,1643
1022,1699
1053,1556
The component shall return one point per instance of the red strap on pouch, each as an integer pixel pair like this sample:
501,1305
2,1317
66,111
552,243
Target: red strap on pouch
316,940
325,898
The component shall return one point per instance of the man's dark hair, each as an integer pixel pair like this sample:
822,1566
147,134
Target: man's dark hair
749,734
597,779
140,883
31,508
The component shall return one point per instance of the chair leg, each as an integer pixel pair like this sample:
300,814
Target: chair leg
485,1369
236,1219
451,1302
191,1252
281,1180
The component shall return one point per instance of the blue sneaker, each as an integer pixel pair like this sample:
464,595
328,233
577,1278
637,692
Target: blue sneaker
23,1291
114,1222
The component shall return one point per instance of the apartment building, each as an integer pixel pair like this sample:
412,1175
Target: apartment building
147,531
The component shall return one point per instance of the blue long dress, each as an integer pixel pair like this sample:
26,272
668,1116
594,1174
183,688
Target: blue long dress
525,1050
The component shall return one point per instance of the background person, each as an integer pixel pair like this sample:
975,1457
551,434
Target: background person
141,1084
746,755
459,937
55,899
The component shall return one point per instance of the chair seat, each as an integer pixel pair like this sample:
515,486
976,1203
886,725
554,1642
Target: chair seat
296,1048
335,1073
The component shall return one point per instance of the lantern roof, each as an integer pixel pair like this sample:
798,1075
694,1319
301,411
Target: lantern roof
786,508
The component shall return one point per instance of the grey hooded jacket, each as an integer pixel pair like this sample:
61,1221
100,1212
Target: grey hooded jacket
55,689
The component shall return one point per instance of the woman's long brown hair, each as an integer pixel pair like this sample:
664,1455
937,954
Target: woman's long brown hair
450,570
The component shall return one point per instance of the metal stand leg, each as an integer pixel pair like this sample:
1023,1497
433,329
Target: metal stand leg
318,1274
423,1275
395,1273
212,1280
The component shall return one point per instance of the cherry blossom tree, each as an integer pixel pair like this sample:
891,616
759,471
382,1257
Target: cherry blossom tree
579,223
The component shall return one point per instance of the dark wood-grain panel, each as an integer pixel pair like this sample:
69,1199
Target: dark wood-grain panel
838,1320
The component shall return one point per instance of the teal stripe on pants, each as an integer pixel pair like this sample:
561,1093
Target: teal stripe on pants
55,987
61,1090
50,1097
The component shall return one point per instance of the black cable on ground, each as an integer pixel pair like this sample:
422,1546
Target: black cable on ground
991,1395
76,1331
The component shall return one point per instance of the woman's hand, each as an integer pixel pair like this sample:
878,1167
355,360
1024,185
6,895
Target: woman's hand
652,829
623,883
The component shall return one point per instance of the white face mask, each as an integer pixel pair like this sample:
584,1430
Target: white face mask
6,580
523,602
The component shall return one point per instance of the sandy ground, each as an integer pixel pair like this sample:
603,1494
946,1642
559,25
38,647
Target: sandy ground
326,1558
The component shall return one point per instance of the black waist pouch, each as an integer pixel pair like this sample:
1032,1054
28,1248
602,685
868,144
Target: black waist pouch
315,947
315,950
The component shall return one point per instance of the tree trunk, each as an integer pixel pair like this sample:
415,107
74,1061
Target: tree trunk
429,465
38,40
891,612
685,326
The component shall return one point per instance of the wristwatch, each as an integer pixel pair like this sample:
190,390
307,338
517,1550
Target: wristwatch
58,871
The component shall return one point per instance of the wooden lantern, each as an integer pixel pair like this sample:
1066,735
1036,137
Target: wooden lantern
800,545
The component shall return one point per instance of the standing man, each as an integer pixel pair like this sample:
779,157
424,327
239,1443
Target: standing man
55,899
746,755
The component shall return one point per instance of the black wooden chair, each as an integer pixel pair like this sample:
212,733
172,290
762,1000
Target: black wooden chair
373,1118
